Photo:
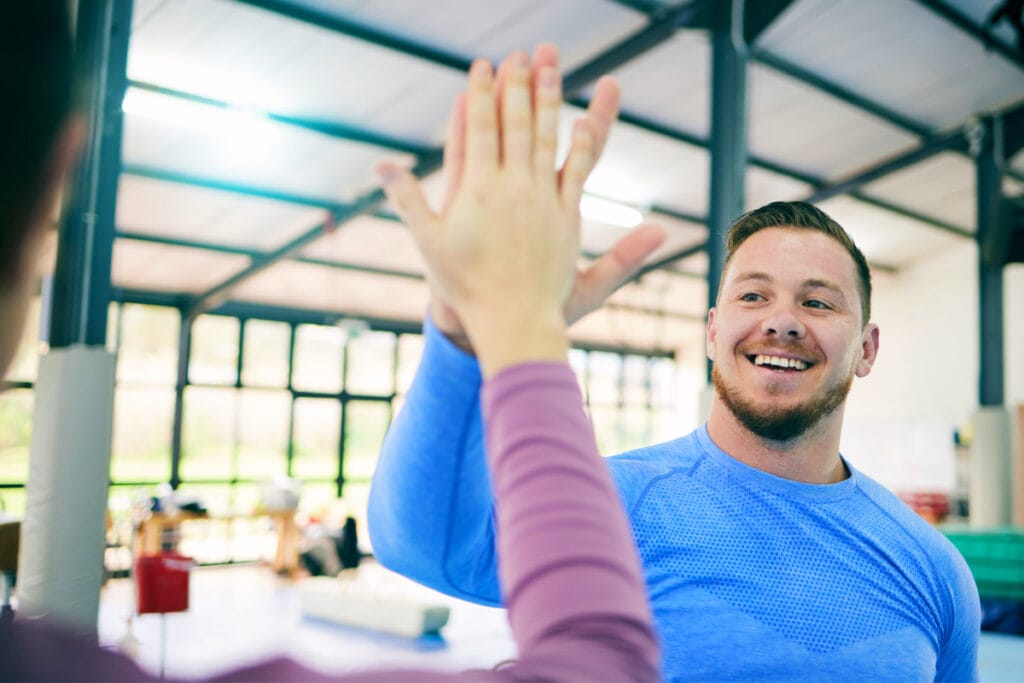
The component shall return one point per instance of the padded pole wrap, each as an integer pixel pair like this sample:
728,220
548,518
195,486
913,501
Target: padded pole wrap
61,566
991,471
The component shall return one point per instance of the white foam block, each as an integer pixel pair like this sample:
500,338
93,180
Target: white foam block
355,604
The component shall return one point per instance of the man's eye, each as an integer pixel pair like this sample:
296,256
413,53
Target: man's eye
817,303
751,296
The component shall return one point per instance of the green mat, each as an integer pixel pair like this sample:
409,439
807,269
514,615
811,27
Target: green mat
996,559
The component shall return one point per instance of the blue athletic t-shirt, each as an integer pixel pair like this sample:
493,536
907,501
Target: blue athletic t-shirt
754,577
750,576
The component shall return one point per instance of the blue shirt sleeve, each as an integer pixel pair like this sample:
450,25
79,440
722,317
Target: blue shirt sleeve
431,511
958,656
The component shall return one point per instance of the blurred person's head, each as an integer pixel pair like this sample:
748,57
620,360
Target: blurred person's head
38,142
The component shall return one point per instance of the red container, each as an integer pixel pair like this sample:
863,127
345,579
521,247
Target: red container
161,583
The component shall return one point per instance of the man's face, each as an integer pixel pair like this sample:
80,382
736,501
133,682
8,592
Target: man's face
786,336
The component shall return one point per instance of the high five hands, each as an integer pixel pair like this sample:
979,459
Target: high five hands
501,253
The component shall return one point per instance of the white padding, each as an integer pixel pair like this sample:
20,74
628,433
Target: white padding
991,470
62,537
355,604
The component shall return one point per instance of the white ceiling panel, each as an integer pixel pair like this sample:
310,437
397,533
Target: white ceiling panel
666,291
646,170
941,187
370,241
886,238
794,124
196,214
157,267
895,52
898,53
681,235
470,28
252,152
322,288
764,187
670,84
253,58
696,264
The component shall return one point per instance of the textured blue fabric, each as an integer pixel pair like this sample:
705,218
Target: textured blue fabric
751,577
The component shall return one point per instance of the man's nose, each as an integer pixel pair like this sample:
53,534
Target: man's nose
782,321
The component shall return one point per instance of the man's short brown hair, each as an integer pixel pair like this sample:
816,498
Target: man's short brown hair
805,217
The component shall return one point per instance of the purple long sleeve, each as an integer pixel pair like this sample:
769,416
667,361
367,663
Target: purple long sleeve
570,576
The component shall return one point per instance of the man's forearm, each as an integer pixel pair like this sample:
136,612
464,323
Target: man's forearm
430,512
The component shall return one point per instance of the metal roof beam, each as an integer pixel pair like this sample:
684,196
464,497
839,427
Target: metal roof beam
334,129
796,72
954,141
256,254
662,26
813,181
361,31
236,188
759,16
846,95
974,31
419,50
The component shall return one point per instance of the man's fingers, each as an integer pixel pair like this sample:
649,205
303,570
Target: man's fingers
612,269
404,192
577,164
548,106
602,111
481,122
455,148
545,55
516,114
601,114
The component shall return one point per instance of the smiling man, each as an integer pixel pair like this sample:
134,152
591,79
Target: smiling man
767,556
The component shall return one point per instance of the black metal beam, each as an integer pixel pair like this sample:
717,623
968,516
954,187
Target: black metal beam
849,97
954,141
662,26
974,31
78,301
626,51
334,129
990,275
236,188
728,148
362,32
678,255
257,255
759,15
798,73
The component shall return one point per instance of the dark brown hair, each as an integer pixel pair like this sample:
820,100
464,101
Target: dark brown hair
35,81
805,217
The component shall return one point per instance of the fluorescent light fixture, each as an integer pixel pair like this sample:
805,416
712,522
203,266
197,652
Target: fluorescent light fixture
190,113
607,211
248,135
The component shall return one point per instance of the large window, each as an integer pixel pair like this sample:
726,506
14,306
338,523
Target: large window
266,399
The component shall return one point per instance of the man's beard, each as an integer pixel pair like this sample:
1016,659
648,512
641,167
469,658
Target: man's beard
780,424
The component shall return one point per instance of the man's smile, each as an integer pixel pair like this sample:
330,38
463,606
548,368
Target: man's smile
779,362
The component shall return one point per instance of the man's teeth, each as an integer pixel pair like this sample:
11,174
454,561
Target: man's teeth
778,362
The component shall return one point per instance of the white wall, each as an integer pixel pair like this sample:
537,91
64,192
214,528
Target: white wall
925,382
928,358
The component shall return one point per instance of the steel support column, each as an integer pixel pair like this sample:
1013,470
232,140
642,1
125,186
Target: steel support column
990,271
81,285
728,144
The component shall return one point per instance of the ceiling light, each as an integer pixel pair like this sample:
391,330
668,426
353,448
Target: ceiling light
611,212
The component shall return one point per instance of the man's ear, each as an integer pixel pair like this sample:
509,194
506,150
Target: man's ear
868,349
712,331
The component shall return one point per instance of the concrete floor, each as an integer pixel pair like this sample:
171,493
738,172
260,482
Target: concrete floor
240,614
